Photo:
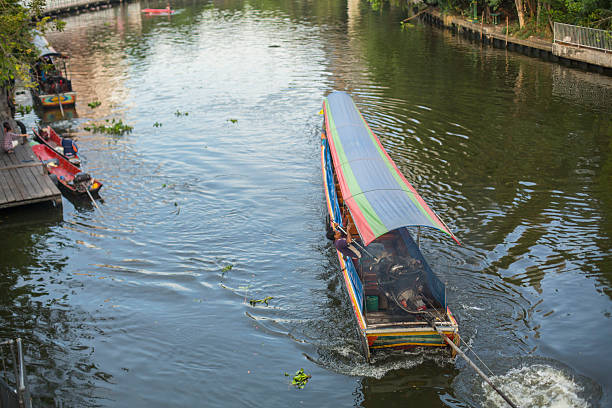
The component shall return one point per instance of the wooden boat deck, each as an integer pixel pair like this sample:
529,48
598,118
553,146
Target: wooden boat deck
24,180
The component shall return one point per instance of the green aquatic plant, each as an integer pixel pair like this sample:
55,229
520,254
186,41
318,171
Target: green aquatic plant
227,268
300,378
179,113
111,127
233,120
94,104
23,110
265,300
157,124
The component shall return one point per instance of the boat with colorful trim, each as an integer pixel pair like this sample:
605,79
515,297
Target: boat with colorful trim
65,147
69,178
50,75
396,298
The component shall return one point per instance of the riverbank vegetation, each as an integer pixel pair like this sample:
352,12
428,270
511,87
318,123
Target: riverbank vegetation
17,53
527,17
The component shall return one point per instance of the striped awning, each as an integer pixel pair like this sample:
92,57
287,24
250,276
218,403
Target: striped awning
378,196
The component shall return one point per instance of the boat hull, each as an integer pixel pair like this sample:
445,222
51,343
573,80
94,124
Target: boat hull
65,172
54,100
54,141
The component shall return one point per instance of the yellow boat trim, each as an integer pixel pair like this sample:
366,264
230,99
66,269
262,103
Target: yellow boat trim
409,344
414,333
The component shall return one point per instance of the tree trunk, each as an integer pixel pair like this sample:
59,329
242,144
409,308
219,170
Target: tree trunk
520,11
7,109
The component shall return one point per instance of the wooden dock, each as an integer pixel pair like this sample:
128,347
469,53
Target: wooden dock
24,179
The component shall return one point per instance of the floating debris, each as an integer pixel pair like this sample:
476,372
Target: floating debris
111,127
300,378
265,300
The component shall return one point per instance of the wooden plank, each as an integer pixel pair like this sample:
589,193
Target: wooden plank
3,195
7,186
9,159
23,179
43,182
18,166
13,186
17,186
28,187
6,189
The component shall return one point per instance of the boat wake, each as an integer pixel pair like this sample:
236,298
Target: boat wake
529,382
537,385
348,360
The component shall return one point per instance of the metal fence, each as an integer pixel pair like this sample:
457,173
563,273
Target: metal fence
583,37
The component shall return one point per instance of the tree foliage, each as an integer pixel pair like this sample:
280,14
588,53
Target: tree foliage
17,24
538,14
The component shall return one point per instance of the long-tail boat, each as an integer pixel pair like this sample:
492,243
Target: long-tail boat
53,87
397,300
71,179
65,147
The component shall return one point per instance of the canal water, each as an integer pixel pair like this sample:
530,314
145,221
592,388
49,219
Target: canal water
215,199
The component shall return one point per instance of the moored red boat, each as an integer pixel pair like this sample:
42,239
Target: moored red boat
65,147
158,11
68,177
397,300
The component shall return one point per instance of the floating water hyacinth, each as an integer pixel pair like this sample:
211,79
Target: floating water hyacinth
111,127
265,300
300,378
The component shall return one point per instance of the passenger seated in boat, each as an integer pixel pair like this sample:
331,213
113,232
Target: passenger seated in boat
343,243
70,147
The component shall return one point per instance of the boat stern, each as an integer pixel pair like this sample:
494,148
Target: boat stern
54,100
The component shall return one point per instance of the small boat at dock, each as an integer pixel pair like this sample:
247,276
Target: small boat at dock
53,87
69,178
397,300
65,147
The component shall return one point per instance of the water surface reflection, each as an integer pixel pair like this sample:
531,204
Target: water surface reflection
221,203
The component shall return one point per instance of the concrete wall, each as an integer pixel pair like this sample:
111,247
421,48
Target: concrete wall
594,57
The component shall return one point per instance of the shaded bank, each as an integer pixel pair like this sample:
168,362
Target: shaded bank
494,35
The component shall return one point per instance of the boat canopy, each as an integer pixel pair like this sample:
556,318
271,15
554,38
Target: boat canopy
43,46
378,196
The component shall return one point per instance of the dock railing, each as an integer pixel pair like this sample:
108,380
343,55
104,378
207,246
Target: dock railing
52,6
583,37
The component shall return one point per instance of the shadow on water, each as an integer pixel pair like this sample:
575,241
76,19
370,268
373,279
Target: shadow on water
32,268
422,385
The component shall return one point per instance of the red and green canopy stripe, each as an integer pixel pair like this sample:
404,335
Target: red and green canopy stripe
378,196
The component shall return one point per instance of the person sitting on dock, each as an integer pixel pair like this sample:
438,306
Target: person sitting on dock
343,243
10,138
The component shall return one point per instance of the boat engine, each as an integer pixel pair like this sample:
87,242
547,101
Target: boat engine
81,182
